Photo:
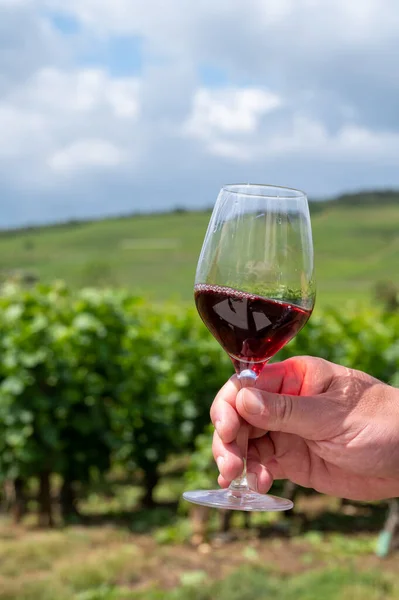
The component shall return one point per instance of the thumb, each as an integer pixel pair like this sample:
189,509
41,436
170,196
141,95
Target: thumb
305,416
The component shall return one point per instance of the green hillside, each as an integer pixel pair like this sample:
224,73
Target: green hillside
356,245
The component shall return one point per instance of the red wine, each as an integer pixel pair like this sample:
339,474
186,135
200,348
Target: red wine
250,328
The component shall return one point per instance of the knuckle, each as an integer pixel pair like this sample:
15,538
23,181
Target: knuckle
215,438
215,443
213,414
283,408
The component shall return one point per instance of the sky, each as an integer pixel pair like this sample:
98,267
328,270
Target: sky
118,106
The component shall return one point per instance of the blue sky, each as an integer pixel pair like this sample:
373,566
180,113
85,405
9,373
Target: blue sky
116,106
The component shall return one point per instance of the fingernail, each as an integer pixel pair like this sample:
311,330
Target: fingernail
252,481
253,402
220,462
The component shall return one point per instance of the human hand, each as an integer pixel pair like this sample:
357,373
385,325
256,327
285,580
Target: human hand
316,423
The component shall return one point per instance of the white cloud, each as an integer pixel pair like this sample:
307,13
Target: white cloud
84,154
82,90
311,139
68,121
229,110
122,96
303,137
18,128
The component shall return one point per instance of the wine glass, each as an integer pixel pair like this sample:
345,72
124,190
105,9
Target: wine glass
254,290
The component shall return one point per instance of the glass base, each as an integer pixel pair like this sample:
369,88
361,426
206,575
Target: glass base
242,500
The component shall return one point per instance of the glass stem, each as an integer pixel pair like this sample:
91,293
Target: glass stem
247,378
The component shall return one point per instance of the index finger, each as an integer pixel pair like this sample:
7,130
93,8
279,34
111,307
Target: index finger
223,412
297,376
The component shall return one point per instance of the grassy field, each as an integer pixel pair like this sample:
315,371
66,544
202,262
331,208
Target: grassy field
355,247
325,552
